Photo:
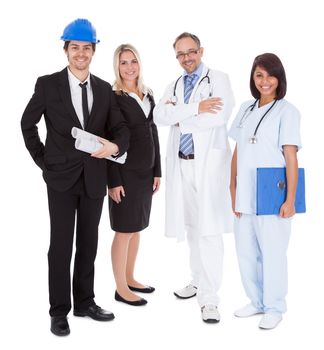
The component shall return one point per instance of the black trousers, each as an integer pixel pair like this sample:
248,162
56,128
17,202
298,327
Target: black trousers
64,208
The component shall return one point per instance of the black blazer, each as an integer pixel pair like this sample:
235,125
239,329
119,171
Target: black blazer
144,149
61,163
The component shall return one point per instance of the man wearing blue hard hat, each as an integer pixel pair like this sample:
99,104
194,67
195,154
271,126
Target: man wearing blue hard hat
76,181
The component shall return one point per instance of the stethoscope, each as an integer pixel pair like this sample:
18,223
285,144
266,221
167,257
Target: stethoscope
174,98
253,139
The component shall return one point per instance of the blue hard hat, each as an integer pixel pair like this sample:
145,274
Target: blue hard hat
80,30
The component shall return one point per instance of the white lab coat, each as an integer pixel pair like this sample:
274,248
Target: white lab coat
212,155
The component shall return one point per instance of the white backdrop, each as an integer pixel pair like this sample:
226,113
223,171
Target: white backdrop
232,33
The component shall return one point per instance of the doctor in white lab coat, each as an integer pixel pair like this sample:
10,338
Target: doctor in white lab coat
197,184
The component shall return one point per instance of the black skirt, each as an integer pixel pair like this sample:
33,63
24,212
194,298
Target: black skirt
132,214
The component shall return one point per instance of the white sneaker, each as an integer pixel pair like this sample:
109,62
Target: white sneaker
247,311
210,314
186,292
270,321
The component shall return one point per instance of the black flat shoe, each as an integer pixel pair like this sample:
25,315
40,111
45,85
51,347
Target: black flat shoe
95,312
139,302
147,289
60,326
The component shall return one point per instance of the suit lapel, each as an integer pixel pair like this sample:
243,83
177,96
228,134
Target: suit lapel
139,108
65,93
150,97
96,97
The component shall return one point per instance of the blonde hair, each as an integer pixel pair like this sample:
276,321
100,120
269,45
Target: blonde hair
118,83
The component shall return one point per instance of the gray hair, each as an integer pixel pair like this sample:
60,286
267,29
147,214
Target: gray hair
187,35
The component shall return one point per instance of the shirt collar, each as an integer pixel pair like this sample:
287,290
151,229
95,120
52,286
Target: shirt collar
74,81
198,71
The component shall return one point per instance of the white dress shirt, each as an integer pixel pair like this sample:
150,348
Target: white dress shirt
144,104
76,95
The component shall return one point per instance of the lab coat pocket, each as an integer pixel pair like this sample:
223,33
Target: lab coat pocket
218,163
220,140
204,93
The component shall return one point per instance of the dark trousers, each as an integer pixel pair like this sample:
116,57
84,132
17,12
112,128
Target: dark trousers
64,207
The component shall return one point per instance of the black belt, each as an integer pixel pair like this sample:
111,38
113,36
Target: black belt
189,156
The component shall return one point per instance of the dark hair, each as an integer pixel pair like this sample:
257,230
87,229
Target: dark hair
187,35
272,64
66,45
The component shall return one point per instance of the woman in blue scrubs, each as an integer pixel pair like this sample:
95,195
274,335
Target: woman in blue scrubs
266,132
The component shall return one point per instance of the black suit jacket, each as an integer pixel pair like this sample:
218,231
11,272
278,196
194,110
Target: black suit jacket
144,150
61,163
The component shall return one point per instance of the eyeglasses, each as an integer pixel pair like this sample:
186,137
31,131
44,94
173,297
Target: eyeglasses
190,53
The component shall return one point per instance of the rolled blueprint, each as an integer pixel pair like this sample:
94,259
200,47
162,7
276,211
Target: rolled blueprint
87,142
79,133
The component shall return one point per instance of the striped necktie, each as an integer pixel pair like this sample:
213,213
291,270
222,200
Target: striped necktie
186,141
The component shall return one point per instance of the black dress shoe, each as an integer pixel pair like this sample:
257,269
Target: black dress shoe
60,325
147,289
95,312
139,302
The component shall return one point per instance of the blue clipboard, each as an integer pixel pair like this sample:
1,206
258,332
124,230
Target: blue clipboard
271,191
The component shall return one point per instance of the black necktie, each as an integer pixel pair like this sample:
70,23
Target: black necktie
85,107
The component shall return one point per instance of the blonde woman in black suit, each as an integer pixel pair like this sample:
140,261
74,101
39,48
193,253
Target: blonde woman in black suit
132,185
